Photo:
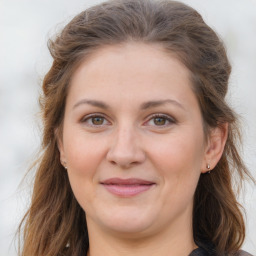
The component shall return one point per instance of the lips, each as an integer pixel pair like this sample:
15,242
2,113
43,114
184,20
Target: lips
127,187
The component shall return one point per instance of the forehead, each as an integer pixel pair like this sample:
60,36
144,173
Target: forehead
143,57
131,70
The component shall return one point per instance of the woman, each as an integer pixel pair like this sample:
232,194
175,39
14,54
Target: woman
139,145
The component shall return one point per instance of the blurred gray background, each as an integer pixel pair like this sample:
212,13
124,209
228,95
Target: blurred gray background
25,26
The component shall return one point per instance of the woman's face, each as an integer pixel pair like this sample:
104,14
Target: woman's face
133,140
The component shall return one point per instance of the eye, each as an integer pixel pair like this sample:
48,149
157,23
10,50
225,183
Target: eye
160,120
98,120
95,120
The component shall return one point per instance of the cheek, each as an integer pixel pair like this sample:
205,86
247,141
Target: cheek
178,159
83,157
83,153
178,149
82,175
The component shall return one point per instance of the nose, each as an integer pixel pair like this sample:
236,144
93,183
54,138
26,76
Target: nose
125,149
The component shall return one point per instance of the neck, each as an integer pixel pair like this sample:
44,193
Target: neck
177,241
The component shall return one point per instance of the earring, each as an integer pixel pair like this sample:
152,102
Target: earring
208,168
64,164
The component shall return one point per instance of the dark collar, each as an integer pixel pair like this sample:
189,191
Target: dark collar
199,252
202,252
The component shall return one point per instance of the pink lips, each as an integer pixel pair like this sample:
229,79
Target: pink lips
127,187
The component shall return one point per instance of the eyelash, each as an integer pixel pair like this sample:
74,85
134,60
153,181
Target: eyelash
163,116
166,118
90,117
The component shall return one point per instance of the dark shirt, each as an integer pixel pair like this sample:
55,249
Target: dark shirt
202,252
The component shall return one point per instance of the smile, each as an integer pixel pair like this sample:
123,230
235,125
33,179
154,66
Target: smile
127,187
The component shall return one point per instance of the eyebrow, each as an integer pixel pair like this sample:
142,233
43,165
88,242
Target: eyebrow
95,103
157,103
145,105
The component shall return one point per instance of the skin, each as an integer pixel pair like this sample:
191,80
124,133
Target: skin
129,141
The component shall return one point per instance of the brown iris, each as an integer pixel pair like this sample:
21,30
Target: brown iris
97,120
159,121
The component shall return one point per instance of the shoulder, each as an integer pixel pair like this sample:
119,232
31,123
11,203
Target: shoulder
242,253
199,252
202,252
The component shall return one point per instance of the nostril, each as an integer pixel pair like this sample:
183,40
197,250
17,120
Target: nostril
113,162
125,152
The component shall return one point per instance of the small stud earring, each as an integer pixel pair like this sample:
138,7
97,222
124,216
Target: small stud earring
208,168
64,164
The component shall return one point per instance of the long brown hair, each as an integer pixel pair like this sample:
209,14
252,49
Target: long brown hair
55,223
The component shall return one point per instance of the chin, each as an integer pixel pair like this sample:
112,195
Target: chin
127,221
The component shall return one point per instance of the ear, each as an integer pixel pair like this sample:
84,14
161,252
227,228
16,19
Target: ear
215,147
60,147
